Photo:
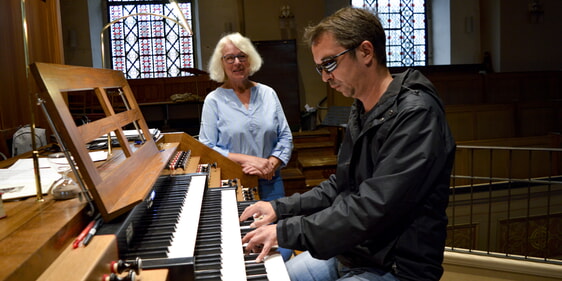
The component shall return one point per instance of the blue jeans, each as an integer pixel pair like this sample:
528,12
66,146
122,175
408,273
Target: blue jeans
271,189
304,267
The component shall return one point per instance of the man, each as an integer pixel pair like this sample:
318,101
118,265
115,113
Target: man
382,215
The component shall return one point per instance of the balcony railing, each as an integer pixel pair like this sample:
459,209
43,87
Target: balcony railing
507,202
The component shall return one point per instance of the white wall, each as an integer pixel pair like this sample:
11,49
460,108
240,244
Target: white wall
465,32
441,32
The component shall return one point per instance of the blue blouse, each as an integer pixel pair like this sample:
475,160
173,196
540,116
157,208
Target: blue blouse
260,130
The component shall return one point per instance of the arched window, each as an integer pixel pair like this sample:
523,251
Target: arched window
405,24
148,46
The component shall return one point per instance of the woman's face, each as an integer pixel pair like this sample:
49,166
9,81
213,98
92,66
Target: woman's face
235,63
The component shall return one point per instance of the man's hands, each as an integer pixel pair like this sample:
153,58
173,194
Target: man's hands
261,240
264,237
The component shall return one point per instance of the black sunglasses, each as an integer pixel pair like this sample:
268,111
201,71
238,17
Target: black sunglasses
329,64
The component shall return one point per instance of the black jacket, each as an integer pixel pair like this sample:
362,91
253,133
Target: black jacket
385,206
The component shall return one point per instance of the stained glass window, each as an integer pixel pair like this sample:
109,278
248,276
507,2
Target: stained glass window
404,22
149,46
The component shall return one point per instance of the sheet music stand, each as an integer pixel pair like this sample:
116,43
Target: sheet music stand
127,177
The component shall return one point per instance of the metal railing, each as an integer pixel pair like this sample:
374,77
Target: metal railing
507,202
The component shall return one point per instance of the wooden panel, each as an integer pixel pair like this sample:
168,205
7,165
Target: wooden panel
161,89
462,124
173,117
35,233
495,122
84,263
455,88
474,122
280,72
523,86
538,118
45,44
455,84
535,236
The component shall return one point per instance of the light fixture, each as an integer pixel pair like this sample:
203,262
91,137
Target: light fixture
180,16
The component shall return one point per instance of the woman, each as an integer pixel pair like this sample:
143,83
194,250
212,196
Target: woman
243,119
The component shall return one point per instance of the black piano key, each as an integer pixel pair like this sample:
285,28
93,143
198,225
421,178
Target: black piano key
255,271
163,223
151,235
208,275
152,244
159,230
201,265
159,253
208,259
210,250
145,249
257,277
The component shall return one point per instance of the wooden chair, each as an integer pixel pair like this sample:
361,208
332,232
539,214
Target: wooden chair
127,177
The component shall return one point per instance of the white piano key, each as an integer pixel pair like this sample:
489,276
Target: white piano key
275,268
183,243
232,255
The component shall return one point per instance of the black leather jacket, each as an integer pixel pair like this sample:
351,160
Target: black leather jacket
385,206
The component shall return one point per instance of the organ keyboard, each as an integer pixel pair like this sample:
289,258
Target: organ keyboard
219,252
192,231
162,229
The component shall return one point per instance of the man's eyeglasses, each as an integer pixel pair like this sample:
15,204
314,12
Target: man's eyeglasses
231,58
329,64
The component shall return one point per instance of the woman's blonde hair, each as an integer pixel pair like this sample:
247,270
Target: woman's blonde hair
244,44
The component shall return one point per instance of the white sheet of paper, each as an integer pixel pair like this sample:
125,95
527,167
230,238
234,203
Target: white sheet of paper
22,174
98,155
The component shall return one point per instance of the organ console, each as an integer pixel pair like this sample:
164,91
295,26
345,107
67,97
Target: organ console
170,205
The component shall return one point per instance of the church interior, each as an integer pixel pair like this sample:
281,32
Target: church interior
496,64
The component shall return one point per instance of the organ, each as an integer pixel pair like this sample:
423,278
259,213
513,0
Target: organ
167,222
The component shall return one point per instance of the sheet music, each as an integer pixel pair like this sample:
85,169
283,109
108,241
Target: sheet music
22,174
132,134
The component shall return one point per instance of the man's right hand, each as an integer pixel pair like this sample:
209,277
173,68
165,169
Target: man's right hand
261,211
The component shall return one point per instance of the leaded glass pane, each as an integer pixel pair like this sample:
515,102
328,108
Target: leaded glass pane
144,43
404,22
